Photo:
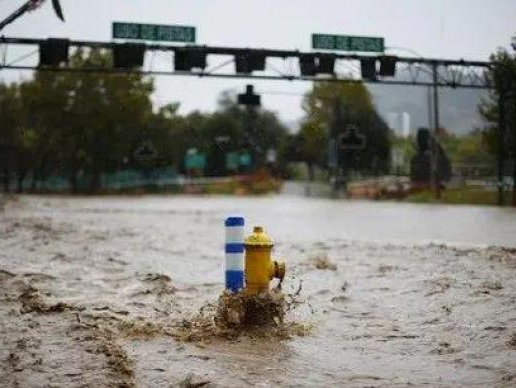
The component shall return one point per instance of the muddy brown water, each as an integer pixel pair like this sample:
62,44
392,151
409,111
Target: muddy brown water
100,291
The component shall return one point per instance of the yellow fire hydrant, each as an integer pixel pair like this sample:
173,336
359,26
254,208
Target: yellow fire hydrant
260,269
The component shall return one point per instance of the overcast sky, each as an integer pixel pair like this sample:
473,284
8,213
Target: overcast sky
470,29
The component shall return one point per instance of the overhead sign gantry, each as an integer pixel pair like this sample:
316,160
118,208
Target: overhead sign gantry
192,60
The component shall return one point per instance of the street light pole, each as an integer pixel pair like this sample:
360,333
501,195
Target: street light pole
501,146
435,149
513,84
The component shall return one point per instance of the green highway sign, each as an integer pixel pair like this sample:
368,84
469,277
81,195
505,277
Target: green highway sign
347,43
153,32
195,160
232,159
245,159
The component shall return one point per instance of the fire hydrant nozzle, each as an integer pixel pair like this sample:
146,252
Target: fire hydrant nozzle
260,269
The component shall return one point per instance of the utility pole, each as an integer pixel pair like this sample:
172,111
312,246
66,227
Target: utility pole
334,132
251,101
435,149
514,149
501,145
513,84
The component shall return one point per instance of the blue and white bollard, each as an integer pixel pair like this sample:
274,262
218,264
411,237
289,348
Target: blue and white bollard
234,253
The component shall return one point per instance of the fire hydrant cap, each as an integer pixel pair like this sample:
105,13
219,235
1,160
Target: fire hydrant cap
259,238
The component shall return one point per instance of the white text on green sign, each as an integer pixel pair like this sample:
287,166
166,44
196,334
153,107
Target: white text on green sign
153,32
347,43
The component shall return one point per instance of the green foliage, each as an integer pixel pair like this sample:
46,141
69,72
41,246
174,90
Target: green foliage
330,107
467,149
462,196
503,76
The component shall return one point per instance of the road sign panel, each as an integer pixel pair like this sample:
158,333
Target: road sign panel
195,160
245,159
153,32
347,43
232,160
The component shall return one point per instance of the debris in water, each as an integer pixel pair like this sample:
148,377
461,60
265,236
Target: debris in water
492,285
512,341
32,302
384,269
191,381
323,262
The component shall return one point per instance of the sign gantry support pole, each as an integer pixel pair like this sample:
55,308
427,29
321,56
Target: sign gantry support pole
514,146
501,146
435,152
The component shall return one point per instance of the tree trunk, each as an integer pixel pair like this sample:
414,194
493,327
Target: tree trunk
6,180
73,175
73,182
34,183
19,182
95,184
311,171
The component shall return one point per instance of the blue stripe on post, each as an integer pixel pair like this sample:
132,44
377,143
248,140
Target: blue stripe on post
234,281
234,221
235,248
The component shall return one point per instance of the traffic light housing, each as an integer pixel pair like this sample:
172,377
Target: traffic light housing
352,139
388,66
53,52
249,61
311,64
186,59
307,65
326,64
249,98
368,68
128,55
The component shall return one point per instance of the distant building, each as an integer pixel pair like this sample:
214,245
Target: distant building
399,123
393,121
405,124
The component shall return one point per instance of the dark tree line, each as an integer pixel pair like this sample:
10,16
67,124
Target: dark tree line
73,125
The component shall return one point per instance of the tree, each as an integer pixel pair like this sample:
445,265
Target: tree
503,77
9,112
84,125
329,108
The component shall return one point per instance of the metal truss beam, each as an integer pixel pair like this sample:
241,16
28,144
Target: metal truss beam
410,70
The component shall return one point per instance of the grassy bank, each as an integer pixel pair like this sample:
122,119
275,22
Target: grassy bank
466,196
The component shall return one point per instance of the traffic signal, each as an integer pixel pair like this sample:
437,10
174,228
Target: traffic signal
307,65
352,139
368,68
128,55
188,58
249,98
311,64
53,52
249,61
326,64
388,66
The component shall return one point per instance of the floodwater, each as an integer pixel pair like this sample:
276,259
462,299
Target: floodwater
96,291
